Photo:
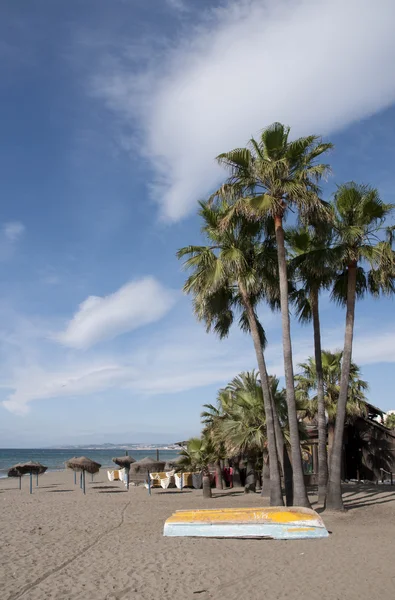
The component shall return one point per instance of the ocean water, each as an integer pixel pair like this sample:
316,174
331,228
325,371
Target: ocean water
55,459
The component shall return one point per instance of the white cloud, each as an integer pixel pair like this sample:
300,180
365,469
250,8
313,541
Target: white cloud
177,360
172,360
13,230
177,5
135,304
10,234
317,66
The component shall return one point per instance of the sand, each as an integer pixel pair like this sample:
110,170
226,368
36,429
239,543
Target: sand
108,545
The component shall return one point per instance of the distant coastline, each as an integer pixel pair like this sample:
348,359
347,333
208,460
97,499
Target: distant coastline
55,458
121,446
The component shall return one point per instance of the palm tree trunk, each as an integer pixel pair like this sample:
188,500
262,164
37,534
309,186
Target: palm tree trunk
249,485
218,476
236,475
299,488
206,484
276,497
265,491
334,493
283,454
331,434
322,454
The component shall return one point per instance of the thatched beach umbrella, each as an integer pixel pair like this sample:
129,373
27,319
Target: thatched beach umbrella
14,472
124,462
172,463
147,464
82,464
29,467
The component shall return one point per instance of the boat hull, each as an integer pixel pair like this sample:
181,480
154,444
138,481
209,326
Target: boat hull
271,523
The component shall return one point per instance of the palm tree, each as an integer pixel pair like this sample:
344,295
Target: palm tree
366,265
244,424
211,418
309,270
198,455
230,276
241,420
390,421
268,178
307,383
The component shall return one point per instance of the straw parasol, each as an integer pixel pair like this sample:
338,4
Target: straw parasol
82,463
124,462
172,463
29,467
147,464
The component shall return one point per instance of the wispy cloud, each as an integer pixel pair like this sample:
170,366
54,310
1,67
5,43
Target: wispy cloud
10,234
13,230
179,5
317,66
135,304
170,360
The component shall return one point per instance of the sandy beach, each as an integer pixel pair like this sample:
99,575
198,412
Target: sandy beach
108,545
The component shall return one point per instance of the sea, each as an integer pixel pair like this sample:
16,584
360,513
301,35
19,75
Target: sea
55,459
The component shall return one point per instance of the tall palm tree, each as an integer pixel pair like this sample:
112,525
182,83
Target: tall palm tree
198,455
230,276
310,270
367,264
268,178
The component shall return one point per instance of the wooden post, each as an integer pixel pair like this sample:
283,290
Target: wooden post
83,481
31,482
20,482
181,481
75,477
127,478
36,479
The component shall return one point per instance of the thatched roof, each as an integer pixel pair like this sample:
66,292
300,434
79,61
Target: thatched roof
13,472
149,464
172,463
82,463
27,467
124,461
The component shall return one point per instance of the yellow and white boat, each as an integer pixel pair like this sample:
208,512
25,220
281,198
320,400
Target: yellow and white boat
272,522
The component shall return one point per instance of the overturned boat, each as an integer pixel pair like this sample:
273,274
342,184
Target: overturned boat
277,523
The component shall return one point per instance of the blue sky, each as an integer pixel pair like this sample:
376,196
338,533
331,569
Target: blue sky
112,114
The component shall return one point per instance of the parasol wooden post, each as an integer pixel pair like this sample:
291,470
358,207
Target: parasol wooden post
20,482
149,483
37,479
75,477
31,482
127,478
83,481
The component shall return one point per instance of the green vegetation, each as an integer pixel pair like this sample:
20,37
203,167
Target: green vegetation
344,246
